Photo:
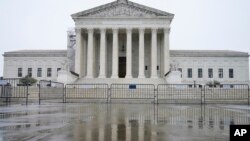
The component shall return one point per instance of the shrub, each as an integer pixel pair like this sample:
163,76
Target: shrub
213,83
27,80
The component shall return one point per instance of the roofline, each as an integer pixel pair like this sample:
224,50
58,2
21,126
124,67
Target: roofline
173,53
208,53
36,53
169,15
127,17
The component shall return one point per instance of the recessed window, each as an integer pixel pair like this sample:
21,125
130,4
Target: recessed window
146,67
190,73
180,70
20,72
200,73
30,72
210,73
39,72
49,72
220,73
58,69
231,73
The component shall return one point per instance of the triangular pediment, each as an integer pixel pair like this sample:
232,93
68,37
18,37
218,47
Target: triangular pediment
122,8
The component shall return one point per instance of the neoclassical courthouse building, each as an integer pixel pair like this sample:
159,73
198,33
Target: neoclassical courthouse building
126,42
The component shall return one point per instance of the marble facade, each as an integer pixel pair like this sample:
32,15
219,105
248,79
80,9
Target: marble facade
125,42
122,39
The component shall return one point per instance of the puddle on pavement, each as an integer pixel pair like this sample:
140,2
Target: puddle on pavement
119,122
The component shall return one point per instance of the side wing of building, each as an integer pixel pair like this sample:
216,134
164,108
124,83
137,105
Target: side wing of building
204,66
40,64
199,66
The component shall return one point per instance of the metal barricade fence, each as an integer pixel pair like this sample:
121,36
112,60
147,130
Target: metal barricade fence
50,90
9,91
86,91
227,93
132,91
14,82
179,93
14,90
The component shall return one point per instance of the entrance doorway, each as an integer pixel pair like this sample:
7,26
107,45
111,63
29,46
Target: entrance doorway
122,67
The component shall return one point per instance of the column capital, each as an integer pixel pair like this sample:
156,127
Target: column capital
154,29
115,30
103,30
166,30
129,29
90,30
78,30
141,29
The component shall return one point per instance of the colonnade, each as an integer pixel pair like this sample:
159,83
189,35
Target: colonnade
115,52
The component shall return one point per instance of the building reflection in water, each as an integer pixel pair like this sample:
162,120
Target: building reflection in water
123,122
120,122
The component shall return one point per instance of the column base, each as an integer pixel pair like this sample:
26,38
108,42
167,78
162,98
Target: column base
154,77
141,76
102,76
114,77
129,77
89,76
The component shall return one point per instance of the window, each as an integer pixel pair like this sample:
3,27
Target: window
190,73
231,73
157,67
20,72
180,70
220,73
39,72
30,72
210,73
200,73
146,67
58,69
49,71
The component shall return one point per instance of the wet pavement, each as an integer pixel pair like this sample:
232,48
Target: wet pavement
119,122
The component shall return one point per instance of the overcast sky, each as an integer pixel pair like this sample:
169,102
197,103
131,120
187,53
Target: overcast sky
198,24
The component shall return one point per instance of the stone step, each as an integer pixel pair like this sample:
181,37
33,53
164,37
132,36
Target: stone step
109,81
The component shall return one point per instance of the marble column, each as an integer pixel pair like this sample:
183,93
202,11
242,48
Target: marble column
115,54
78,60
103,54
90,53
141,53
129,54
154,53
166,59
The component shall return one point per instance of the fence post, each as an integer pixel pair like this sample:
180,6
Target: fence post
204,95
201,93
110,93
39,93
27,94
248,95
107,91
64,92
157,94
